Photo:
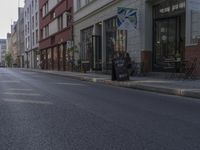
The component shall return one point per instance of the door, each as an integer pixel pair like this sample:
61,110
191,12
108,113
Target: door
165,41
96,42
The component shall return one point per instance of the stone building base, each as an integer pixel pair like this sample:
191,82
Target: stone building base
146,59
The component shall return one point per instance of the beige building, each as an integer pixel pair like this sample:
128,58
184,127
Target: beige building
14,48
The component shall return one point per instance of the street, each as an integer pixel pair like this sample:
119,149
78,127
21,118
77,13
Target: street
48,112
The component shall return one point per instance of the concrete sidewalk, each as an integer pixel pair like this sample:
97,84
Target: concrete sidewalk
187,88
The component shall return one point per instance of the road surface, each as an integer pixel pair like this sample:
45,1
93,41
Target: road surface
46,112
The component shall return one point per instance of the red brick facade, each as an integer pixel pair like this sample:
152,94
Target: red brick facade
52,47
192,52
146,59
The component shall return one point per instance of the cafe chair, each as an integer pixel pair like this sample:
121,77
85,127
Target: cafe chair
190,69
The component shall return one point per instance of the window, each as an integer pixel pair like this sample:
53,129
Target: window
36,19
45,9
36,4
25,29
36,36
60,23
45,32
78,4
87,1
115,40
86,45
33,22
28,45
195,30
28,27
33,39
32,4
41,34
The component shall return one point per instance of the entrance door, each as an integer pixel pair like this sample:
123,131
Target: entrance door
165,41
96,42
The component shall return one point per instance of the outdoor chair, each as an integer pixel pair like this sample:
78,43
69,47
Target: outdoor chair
190,69
137,69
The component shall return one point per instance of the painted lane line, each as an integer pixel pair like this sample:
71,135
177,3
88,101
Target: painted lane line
24,72
75,84
16,89
27,101
21,94
9,81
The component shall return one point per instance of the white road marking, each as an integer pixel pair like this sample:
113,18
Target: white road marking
75,84
16,89
24,72
9,81
21,94
27,101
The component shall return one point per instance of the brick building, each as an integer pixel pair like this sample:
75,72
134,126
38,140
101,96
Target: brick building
55,33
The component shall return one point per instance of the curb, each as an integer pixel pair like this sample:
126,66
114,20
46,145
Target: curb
156,89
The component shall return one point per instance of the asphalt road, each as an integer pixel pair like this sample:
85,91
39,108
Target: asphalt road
46,112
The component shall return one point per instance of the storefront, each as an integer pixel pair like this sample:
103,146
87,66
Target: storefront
168,33
55,58
91,44
167,30
98,38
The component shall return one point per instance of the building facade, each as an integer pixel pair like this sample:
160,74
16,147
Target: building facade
20,37
165,29
14,47
2,51
31,33
55,33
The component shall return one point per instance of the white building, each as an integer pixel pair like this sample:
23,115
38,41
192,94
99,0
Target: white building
165,29
31,33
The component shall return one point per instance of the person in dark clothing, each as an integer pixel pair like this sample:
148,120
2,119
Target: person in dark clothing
114,77
128,62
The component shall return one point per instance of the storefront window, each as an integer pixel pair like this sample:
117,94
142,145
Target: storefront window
169,33
86,44
195,27
115,40
61,58
55,58
49,58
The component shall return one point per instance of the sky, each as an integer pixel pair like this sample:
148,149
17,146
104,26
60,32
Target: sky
8,14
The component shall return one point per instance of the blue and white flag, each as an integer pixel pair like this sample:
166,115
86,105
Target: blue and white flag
127,18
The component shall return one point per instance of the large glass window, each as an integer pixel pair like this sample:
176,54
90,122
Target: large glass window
195,26
169,32
86,44
115,40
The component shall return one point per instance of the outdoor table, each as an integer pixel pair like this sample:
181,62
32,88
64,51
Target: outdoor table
178,64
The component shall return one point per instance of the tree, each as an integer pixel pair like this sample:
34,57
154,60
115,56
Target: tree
71,56
8,59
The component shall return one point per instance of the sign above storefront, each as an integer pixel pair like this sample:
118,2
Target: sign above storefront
127,18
